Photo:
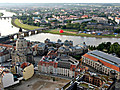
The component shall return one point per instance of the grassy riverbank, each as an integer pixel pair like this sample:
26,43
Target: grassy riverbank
71,32
74,33
17,23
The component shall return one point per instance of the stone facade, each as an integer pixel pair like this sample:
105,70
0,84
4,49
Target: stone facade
55,44
90,81
40,49
23,52
4,54
61,65
101,63
69,49
95,80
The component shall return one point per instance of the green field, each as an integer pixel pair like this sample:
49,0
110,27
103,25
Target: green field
72,30
55,31
17,23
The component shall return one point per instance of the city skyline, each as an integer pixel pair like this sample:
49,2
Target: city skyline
64,45
61,1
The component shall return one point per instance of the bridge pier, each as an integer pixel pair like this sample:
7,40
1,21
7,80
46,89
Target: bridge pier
32,32
5,17
26,34
37,31
16,36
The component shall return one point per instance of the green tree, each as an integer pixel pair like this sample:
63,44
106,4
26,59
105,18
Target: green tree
101,46
108,44
115,48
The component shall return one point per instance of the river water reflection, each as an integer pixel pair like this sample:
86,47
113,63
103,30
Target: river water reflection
76,39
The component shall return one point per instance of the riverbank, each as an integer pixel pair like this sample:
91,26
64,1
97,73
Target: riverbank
74,33
70,32
17,23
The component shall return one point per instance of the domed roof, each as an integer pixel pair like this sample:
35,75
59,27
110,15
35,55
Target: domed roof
66,40
58,40
20,30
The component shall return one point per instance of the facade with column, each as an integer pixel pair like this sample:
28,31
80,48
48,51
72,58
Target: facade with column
102,62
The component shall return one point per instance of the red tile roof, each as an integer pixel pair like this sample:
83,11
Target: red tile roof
90,57
103,62
84,16
6,45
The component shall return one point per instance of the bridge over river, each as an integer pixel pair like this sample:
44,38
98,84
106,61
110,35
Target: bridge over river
27,33
24,33
4,17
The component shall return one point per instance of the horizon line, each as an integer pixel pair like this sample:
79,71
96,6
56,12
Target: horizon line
58,2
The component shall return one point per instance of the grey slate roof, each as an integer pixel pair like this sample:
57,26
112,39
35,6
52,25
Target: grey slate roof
62,64
105,56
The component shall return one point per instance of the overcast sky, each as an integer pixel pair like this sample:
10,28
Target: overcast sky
59,1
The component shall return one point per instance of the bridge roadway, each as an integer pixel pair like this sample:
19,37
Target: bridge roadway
2,17
27,33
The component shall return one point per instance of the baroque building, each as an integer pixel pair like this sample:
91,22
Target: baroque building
102,62
69,49
23,52
4,54
59,65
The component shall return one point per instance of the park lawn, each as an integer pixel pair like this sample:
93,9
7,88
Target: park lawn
71,30
55,31
84,34
24,26
109,35
118,35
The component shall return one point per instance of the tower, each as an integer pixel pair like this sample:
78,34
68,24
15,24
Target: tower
21,47
23,52
21,44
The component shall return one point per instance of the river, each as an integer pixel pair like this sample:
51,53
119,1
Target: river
5,24
6,28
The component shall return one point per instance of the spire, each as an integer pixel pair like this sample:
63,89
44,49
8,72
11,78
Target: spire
20,30
20,34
